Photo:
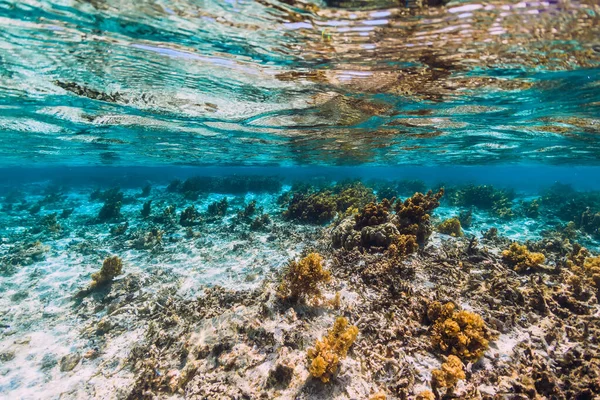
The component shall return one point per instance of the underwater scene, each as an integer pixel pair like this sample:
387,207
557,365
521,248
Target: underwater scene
300,199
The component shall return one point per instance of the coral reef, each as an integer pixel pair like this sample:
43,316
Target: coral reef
521,259
322,206
373,214
451,372
461,333
313,208
451,227
189,216
218,208
325,357
414,214
303,279
111,267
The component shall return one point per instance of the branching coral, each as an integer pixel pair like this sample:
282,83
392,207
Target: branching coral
303,279
461,333
414,214
449,375
451,227
521,259
325,357
111,267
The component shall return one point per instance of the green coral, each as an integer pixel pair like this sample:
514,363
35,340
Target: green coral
325,357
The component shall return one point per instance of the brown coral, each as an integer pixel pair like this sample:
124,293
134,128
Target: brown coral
461,333
449,375
111,267
414,214
521,259
324,358
373,214
303,278
402,246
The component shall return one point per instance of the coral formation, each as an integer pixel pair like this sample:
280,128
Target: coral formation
451,227
111,267
322,206
414,214
146,209
461,333
325,357
189,216
303,279
448,376
373,214
521,259
218,208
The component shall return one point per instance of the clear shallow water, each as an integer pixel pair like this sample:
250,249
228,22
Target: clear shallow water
103,94
287,83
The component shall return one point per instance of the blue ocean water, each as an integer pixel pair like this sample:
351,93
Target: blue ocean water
253,102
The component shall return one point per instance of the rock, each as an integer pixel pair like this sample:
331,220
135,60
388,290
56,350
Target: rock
378,235
69,362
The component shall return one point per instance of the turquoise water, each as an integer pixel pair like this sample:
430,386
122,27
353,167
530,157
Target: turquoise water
255,102
296,83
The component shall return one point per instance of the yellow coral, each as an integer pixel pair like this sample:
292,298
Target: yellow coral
111,267
304,278
324,358
449,375
425,395
451,227
521,259
461,333
402,246
592,268
378,396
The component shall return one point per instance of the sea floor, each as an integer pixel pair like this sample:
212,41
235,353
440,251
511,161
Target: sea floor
195,313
